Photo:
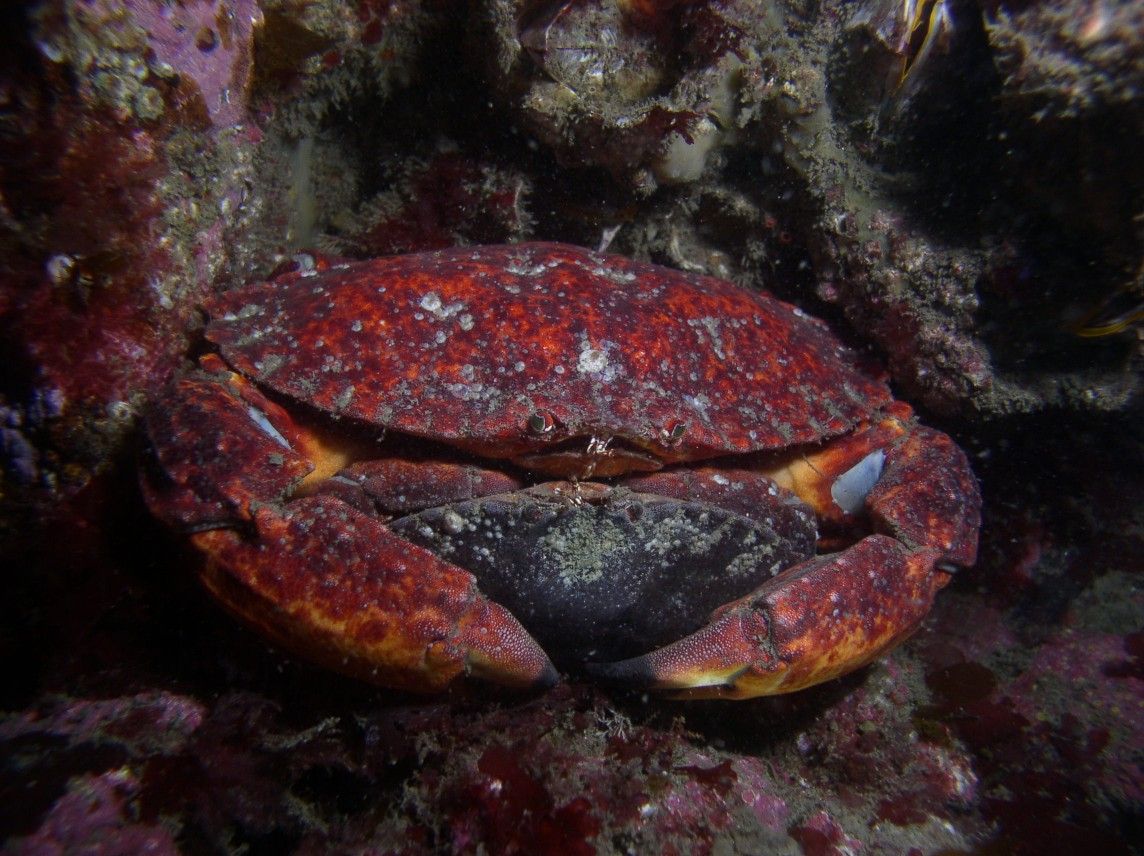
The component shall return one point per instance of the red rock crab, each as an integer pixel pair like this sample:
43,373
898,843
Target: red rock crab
358,463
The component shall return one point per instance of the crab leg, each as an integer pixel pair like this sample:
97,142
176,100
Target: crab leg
832,614
320,577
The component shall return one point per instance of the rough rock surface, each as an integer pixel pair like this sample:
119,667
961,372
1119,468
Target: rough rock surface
959,223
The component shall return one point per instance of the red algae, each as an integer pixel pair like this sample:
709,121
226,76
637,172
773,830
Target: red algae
821,835
510,811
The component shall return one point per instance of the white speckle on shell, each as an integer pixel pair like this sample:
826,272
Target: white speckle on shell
592,361
344,398
453,522
698,403
259,418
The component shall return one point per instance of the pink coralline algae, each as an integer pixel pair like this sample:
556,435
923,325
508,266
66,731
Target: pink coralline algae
148,722
1057,748
769,810
94,816
114,202
1090,686
208,41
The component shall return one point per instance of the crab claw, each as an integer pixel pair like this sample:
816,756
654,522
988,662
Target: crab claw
316,575
337,587
816,621
835,613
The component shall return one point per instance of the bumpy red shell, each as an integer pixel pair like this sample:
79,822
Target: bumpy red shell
508,349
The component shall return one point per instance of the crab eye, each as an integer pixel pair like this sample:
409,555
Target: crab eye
541,422
674,432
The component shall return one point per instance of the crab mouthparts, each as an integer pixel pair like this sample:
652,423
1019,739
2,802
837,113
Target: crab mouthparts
590,457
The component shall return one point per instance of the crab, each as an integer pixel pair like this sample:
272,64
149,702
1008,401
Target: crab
513,461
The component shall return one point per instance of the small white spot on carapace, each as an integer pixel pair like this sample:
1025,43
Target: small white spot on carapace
259,419
592,361
711,325
453,522
558,369
521,267
850,489
344,398
356,326
249,310
440,311
719,478
698,403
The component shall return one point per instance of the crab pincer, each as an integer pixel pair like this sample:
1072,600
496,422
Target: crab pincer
315,574
829,615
